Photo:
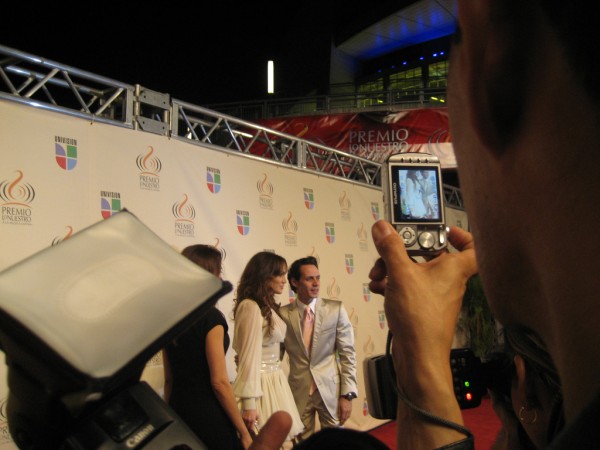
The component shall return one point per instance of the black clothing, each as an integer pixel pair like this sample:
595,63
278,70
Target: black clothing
192,396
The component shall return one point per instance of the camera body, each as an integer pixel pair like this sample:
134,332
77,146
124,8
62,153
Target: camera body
471,379
414,201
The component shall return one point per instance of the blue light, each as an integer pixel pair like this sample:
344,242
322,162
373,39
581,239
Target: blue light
435,55
421,58
404,63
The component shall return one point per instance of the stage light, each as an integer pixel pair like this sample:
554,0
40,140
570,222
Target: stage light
270,77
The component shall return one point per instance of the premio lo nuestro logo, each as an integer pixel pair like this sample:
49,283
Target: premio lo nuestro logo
110,203
67,235
65,151
333,290
150,166
184,213
213,179
16,196
369,346
362,237
290,227
349,262
381,314
217,245
375,210
309,198
330,232
265,189
345,204
243,222
5,436
314,254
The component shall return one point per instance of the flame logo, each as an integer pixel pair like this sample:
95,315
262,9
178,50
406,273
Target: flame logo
68,234
15,192
264,186
333,290
289,225
344,201
313,253
221,249
149,164
183,210
362,233
369,346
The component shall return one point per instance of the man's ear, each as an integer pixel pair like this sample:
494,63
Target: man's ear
495,48
522,386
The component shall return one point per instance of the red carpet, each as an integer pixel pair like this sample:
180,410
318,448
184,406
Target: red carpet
482,421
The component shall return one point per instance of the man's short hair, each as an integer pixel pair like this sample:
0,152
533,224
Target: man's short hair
294,269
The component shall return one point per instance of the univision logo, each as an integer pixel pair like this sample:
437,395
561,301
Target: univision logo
110,203
309,198
381,313
243,222
366,292
330,232
213,180
375,210
349,259
65,152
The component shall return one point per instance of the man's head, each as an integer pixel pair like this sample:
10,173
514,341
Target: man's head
304,278
516,103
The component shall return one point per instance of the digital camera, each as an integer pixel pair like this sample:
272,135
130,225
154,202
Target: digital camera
414,201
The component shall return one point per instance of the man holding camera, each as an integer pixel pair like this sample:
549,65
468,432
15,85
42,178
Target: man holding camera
317,329
525,119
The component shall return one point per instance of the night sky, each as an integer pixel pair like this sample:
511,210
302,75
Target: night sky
200,53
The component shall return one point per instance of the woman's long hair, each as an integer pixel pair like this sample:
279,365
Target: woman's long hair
255,283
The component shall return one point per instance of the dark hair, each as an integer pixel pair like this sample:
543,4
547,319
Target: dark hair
541,372
254,283
294,270
206,256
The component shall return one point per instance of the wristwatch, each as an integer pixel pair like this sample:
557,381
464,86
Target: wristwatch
349,396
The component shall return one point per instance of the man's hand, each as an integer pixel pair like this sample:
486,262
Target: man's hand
344,409
274,432
422,303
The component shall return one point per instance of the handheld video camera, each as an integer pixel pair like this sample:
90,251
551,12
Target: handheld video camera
414,201
471,378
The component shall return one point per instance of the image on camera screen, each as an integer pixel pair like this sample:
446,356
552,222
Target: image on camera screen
419,195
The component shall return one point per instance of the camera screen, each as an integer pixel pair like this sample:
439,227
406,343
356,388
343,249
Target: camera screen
416,194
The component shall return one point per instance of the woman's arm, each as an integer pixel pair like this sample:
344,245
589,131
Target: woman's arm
247,342
219,380
168,379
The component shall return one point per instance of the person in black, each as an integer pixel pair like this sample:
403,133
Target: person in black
197,385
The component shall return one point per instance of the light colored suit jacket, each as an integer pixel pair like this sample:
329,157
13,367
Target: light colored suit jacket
332,334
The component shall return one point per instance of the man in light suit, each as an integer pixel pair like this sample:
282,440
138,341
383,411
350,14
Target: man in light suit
320,383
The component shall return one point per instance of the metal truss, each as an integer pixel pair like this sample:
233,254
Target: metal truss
48,85
203,126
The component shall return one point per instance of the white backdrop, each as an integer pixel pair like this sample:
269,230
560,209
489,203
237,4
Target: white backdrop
59,174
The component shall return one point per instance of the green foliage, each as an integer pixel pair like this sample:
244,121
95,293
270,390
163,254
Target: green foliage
477,319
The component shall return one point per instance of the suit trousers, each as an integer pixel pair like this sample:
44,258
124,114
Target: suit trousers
314,406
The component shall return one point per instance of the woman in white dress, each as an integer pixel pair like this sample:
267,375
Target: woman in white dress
261,385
